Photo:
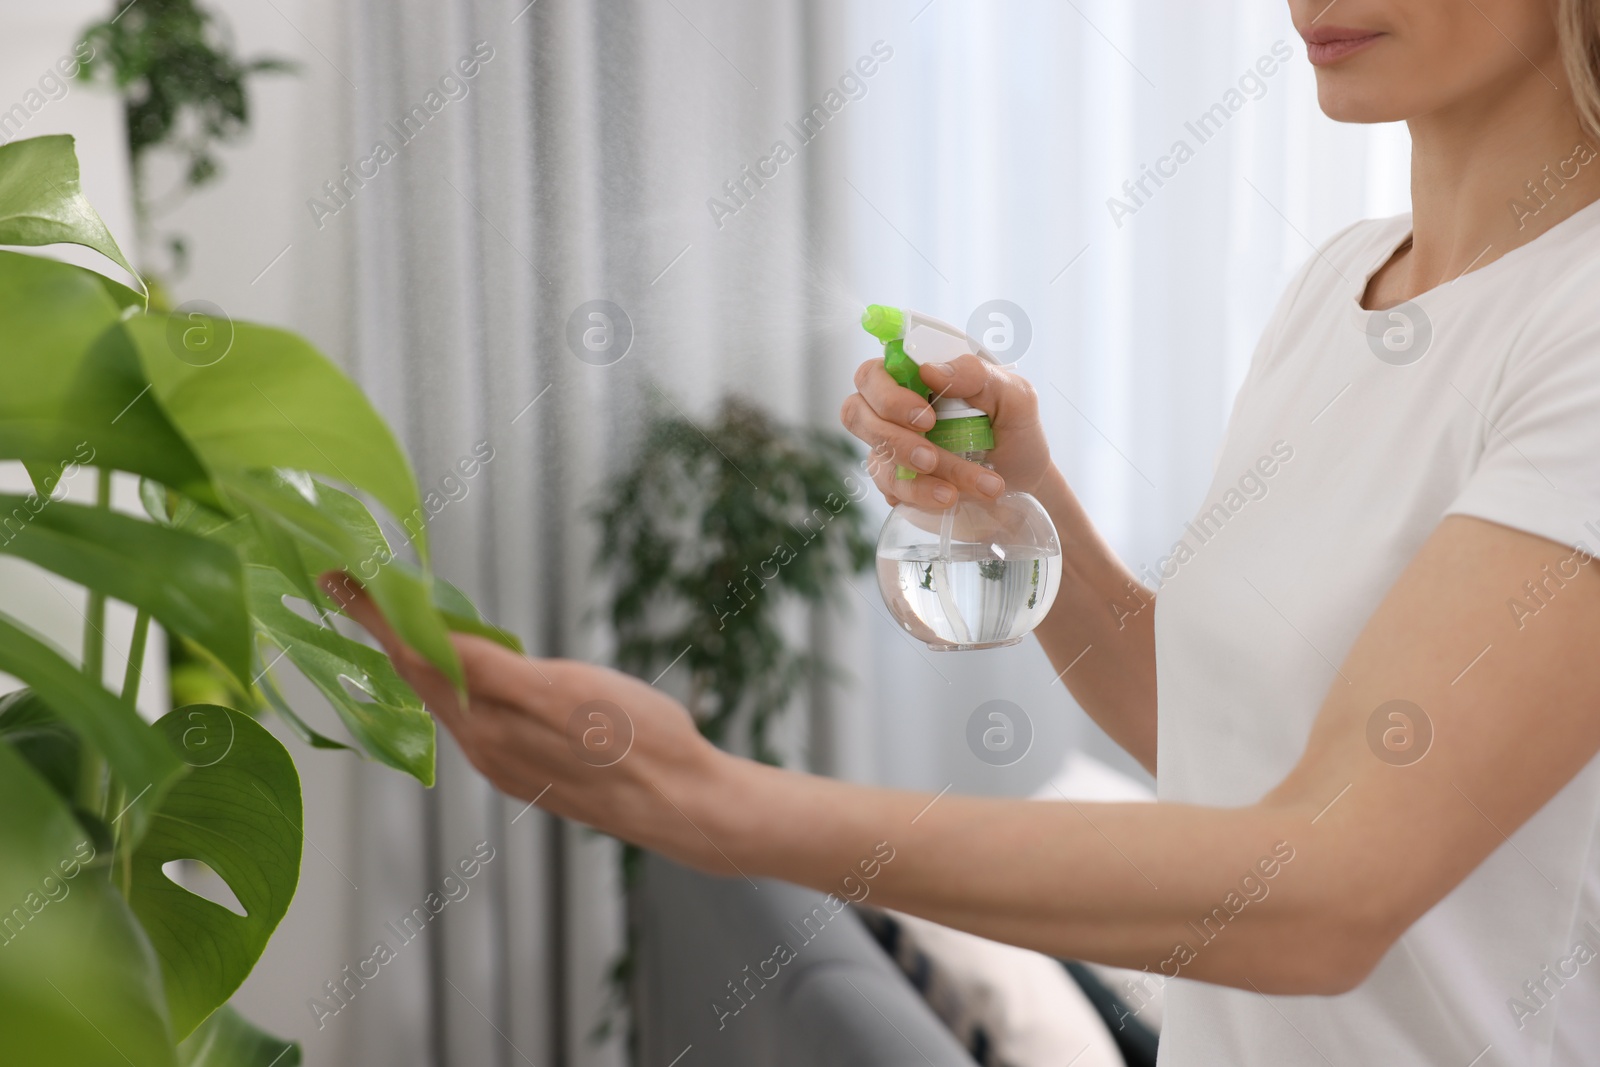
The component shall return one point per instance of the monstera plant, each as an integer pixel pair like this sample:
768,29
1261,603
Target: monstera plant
254,455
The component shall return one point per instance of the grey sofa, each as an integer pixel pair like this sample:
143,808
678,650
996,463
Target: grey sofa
706,998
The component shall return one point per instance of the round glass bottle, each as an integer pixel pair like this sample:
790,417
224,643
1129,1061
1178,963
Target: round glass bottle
979,574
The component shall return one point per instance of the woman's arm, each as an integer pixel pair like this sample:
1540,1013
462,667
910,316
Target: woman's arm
1332,865
1100,633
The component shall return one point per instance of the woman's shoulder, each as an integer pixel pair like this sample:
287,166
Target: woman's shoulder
1336,265
1367,239
1350,254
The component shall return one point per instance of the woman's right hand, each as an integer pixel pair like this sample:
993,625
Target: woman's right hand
891,419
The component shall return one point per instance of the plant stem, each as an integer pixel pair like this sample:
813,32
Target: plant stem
94,623
130,697
91,771
135,671
91,766
120,849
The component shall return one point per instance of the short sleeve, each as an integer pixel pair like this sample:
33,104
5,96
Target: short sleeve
1540,467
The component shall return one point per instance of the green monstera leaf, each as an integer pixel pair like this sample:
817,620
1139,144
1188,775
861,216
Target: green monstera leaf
389,721
267,412
191,585
462,616
328,530
79,983
269,400
234,430
75,393
143,761
238,812
41,203
228,1039
39,736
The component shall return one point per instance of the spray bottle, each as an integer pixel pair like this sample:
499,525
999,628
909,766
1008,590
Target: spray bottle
981,573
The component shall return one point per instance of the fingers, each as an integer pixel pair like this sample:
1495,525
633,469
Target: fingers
937,483
895,446
354,601
941,474
892,420
522,729
1007,397
437,691
891,400
496,673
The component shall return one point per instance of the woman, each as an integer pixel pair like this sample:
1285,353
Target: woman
1368,683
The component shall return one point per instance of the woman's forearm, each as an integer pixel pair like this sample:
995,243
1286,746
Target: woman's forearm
1101,631
1214,894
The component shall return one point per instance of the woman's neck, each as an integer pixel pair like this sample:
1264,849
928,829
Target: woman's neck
1488,176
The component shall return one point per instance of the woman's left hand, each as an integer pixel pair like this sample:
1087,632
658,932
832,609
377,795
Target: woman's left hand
586,742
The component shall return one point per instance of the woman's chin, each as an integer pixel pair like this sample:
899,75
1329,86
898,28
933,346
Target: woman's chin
1357,104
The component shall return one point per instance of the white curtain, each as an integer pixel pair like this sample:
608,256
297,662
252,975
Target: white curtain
573,165
586,161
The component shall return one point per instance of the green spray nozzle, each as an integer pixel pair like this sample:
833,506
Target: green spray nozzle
888,325
885,323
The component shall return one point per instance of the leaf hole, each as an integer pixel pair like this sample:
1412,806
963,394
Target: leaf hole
355,690
198,878
301,607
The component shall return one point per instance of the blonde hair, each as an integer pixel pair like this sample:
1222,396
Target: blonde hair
1578,23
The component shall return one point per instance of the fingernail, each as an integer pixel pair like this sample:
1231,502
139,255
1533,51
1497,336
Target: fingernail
942,368
943,494
922,418
923,457
990,484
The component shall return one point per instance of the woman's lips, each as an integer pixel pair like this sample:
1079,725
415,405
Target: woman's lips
1324,46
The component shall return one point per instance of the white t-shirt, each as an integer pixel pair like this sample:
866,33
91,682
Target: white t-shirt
1354,433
